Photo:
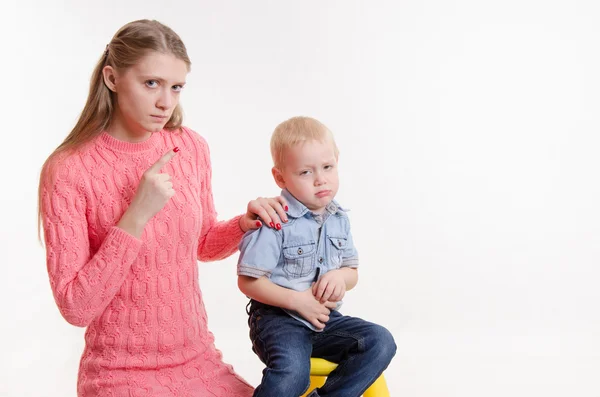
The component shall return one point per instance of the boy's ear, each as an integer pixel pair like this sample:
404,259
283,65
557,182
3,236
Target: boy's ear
278,176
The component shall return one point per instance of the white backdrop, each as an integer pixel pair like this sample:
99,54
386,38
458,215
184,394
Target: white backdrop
468,133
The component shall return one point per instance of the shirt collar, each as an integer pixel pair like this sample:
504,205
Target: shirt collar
297,210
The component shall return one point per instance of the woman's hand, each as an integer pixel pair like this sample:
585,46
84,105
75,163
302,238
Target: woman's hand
270,210
153,192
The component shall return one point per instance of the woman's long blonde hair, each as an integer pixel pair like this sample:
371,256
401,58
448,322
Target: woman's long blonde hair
131,43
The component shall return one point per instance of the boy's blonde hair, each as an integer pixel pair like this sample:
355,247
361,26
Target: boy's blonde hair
295,131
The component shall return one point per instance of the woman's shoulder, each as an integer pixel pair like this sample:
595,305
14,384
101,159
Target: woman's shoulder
199,142
65,168
193,135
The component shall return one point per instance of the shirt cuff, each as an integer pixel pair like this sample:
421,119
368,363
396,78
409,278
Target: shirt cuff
350,262
250,271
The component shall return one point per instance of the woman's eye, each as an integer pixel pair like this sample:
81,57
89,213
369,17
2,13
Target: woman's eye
177,88
151,83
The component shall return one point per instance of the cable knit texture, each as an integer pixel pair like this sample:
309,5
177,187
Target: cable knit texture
140,299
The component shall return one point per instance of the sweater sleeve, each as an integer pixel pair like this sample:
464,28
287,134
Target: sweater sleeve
218,239
83,284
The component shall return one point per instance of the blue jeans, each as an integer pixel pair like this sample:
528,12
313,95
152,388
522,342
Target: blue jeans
362,350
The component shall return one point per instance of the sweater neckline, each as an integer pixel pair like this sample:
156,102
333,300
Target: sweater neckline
129,147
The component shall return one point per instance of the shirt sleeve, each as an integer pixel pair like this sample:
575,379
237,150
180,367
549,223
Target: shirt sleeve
349,254
260,250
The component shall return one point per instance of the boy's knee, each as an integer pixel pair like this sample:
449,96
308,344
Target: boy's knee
383,341
293,381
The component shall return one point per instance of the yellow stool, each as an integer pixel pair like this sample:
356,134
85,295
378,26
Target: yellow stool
319,369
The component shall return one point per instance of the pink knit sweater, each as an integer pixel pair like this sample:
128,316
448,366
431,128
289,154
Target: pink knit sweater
140,300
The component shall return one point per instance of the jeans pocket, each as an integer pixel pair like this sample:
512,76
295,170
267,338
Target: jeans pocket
264,323
254,325
299,258
255,318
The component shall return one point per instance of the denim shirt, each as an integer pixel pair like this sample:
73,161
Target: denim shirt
307,246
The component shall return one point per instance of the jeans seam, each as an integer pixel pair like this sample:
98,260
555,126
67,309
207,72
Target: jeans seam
360,340
267,358
361,348
370,383
262,342
307,386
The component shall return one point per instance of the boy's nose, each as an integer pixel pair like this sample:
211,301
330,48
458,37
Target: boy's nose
319,181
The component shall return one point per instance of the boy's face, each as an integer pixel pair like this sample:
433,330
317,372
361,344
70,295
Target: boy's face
310,174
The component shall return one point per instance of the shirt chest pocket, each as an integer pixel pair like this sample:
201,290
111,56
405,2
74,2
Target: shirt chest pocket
299,258
337,245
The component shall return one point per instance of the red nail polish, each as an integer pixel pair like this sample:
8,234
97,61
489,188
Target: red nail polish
176,149
272,224
258,224
278,226
286,208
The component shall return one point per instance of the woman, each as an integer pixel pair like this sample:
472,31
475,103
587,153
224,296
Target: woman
127,210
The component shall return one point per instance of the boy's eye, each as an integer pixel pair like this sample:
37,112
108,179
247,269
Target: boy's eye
151,83
304,172
328,167
177,88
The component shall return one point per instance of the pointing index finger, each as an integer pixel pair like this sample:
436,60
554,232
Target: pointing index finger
155,168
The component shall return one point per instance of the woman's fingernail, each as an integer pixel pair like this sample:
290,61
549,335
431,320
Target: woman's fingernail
175,149
278,226
285,220
286,208
272,224
258,224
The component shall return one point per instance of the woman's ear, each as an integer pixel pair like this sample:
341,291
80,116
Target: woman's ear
278,176
110,78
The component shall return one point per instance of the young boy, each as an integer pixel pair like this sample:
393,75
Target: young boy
297,275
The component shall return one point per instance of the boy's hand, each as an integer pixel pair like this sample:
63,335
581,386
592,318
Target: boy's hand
312,310
331,287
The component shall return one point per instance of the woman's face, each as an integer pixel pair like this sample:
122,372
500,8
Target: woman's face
148,92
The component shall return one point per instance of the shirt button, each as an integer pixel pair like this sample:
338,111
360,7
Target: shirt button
299,251
321,260
339,243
